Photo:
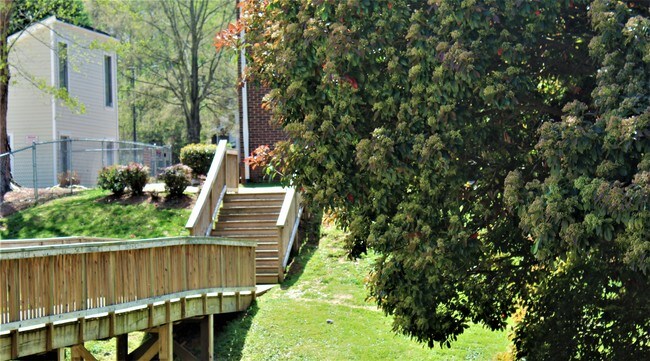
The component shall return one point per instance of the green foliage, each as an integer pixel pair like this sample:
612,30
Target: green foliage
136,176
176,178
26,12
439,134
162,41
112,179
198,157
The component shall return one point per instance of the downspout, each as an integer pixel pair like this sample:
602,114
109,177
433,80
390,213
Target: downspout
53,70
244,105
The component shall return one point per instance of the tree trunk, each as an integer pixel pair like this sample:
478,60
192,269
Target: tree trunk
194,126
5,170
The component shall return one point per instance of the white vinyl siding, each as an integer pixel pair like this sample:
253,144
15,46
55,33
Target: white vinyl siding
35,114
87,73
29,114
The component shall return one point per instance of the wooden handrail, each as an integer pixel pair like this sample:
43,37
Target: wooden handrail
28,242
292,238
287,204
211,196
44,284
287,223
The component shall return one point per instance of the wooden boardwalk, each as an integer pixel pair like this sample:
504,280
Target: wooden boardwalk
62,292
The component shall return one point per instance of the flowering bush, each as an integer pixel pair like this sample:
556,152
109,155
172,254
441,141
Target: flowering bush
266,158
176,178
136,176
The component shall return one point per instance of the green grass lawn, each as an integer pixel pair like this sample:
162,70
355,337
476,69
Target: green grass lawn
290,322
98,214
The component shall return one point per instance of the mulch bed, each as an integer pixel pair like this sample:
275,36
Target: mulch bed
159,201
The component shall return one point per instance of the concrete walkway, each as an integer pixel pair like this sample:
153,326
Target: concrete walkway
160,187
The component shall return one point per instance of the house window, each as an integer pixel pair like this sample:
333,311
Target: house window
63,66
108,80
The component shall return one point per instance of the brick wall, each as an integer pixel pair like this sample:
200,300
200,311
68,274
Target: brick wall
260,130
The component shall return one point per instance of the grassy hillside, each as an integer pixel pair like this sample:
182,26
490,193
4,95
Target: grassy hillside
97,213
291,322
318,313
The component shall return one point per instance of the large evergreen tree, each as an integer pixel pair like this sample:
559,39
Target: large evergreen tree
494,153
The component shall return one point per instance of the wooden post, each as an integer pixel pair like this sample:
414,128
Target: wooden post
122,347
207,338
80,353
166,342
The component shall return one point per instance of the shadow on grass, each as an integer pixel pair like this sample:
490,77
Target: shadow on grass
230,333
310,232
16,222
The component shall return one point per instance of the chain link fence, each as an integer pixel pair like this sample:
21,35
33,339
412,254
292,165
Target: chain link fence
65,163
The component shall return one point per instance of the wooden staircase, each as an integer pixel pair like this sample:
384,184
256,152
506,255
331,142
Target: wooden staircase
253,216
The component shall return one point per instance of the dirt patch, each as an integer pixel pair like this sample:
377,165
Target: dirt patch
21,198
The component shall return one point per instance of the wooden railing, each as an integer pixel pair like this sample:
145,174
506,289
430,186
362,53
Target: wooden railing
287,224
223,175
45,284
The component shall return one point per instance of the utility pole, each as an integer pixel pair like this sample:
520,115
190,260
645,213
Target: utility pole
133,110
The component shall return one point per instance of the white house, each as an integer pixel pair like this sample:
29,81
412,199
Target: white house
46,57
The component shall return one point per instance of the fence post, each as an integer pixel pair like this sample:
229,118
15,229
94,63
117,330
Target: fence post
154,158
69,140
34,174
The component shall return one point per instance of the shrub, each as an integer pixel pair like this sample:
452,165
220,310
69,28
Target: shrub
198,157
176,178
136,176
112,179
67,179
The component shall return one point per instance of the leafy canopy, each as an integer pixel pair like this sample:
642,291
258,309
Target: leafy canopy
494,153
27,12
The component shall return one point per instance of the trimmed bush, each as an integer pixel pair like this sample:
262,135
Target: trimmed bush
112,179
198,157
136,176
176,178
